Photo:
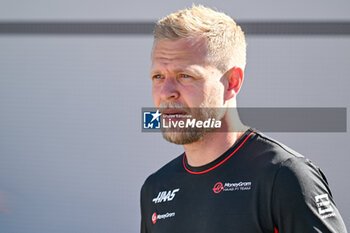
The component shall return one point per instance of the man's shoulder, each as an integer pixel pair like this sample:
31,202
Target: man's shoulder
166,172
277,157
268,157
273,150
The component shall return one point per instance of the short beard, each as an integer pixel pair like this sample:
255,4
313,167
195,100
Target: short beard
182,136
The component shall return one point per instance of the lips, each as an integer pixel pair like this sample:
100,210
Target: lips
174,112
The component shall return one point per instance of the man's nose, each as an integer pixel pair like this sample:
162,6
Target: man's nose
169,89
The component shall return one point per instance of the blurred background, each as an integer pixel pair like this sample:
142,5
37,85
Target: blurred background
74,76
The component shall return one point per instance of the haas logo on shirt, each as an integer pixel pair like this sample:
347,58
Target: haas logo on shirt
164,196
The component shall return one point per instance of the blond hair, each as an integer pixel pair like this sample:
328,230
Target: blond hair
225,39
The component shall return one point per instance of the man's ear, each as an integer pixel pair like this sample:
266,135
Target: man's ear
234,82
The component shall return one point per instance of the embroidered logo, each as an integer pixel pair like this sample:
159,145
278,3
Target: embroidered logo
218,187
164,196
156,216
324,206
239,186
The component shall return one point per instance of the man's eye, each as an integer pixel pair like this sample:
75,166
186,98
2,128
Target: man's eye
185,76
157,76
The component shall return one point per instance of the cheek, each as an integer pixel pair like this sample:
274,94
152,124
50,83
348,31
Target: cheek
193,96
156,96
215,93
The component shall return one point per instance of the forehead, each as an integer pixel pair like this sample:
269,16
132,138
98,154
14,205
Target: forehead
182,51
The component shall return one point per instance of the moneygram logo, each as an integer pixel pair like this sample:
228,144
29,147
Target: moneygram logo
218,187
239,186
156,216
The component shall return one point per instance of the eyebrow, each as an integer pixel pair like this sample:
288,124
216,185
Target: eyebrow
179,70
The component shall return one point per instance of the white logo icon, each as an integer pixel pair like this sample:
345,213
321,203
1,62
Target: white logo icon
164,196
324,205
151,120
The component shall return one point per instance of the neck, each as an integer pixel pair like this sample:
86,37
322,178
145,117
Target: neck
214,144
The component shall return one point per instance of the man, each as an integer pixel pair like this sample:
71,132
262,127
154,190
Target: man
232,179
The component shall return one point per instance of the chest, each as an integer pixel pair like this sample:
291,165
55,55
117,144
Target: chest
204,205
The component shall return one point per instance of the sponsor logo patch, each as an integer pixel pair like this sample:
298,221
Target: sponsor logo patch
156,216
227,187
218,187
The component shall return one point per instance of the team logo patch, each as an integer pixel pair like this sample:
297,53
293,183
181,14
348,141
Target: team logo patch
164,196
226,187
324,206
